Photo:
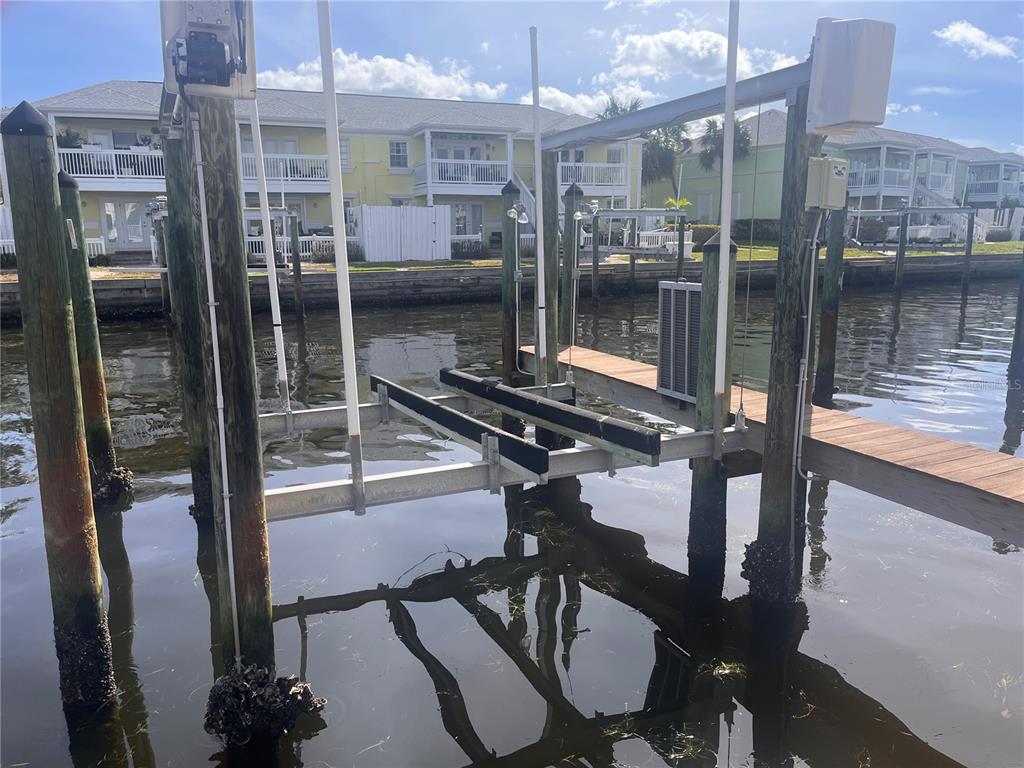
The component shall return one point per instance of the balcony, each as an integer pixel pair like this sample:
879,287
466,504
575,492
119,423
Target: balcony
992,190
594,178
300,173
114,169
462,176
893,181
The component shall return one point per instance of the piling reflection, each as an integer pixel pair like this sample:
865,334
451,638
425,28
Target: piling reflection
817,498
132,716
713,657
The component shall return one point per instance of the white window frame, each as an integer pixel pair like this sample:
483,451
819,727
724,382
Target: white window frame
392,145
621,155
345,147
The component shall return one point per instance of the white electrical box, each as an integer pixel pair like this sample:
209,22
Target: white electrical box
209,46
826,183
851,63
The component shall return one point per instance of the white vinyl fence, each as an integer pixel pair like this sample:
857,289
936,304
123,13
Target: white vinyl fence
385,233
406,233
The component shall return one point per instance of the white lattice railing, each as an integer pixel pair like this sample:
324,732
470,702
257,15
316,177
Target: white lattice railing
592,174
112,163
307,246
462,172
287,167
94,246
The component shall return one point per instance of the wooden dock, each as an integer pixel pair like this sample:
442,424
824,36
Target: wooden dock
973,487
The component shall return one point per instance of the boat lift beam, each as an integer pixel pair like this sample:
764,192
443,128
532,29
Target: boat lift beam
371,414
410,485
528,461
638,443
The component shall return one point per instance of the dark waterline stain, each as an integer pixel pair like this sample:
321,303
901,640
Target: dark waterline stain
553,626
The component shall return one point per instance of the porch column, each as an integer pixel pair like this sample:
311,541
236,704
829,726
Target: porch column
429,166
999,183
629,176
881,174
238,151
509,151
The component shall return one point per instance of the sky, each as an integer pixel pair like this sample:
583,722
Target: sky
958,71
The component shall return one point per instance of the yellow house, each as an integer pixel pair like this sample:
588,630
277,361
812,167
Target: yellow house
394,151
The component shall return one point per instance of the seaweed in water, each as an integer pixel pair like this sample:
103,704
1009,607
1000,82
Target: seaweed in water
248,704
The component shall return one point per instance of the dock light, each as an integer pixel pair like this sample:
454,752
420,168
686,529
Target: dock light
523,218
593,206
578,216
512,213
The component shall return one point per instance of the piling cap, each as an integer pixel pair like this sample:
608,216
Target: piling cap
715,240
573,191
510,188
25,120
66,180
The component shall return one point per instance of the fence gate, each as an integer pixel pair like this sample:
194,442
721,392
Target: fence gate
405,233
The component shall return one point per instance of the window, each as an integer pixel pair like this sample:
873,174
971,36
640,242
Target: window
563,155
346,154
615,156
398,202
125,139
398,154
578,155
618,202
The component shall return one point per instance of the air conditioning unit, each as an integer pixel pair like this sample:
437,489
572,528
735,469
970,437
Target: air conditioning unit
678,339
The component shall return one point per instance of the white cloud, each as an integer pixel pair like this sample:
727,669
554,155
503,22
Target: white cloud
894,108
941,90
1017,148
594,34
590,103
976,42
612,4
408,76
485,46
696,53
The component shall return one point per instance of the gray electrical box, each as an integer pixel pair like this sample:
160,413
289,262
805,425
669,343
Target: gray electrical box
208,45
826,183
678,339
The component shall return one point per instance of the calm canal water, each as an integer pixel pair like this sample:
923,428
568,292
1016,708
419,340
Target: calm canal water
906,645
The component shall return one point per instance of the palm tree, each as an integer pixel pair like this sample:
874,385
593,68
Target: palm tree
661,147
712,143
676,204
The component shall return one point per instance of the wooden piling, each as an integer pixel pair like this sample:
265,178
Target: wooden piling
706,542
81,638
825,375
110,482
509,310
186,318
595,254
570,250
965,276
300,302
549,178
241,452
632,273
769,561
161,261
901,251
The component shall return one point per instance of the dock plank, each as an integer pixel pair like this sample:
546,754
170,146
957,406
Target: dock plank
935,468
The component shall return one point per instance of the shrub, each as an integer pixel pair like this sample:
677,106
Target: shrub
871,231
469,250
702,233
323,253
765,230
998,235
8,261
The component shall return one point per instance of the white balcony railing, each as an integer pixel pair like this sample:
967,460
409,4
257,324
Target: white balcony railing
287,167
994,189
462,172
307,246
891,178
94,246
592,174
112,163
940,182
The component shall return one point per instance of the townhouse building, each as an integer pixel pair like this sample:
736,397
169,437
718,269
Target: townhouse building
394,151
887,168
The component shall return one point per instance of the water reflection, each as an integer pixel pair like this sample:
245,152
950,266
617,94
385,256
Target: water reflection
710,662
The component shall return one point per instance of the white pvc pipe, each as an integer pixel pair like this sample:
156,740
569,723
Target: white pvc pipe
268,249
725,236
538,184
211,304
348,347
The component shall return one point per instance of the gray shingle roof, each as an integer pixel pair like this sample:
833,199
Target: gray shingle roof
378,114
